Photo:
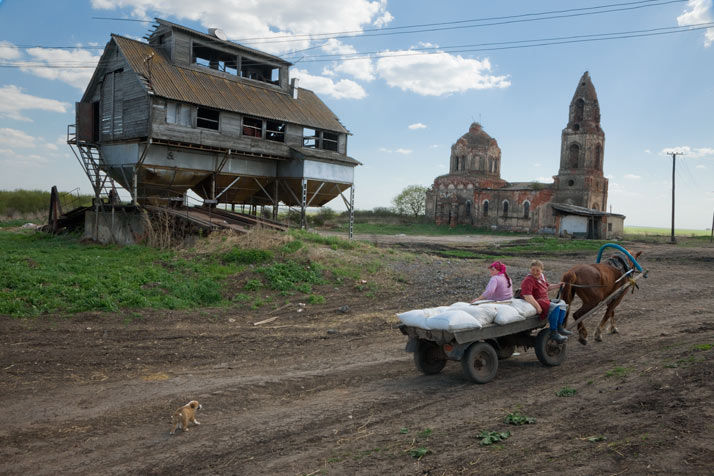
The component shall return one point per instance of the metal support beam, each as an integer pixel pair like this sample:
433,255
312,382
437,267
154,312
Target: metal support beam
290,191
275,204
303,205
228,188
263,189
322,184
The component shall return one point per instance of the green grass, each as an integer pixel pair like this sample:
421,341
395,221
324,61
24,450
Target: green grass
657,231
566,392
33,201
247,256
13,223
422,229
43,274
617,372
550,245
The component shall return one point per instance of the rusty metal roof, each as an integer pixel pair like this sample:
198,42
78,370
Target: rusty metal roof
188,85
582,211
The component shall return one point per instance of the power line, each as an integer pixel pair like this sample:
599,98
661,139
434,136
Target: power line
510,45
449,25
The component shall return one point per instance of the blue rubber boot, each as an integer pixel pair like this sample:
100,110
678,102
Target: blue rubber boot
561,319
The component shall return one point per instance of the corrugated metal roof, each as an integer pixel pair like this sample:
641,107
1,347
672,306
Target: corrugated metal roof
582,211
205,89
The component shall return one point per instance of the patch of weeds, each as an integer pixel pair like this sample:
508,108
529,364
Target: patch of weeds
257,303
617,372
304,288
247,256
335,459
517,418
589,382
288,275
240,297
425,433
490,437
316,299
595,439
404,431
291,247
566,392
331,241
419,453
252,285
702,347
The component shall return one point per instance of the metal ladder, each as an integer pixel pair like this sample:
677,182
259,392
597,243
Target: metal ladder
90,158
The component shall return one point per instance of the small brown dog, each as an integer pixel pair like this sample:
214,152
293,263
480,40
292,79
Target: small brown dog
184,415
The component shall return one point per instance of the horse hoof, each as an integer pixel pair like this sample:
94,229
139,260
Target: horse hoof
583,341
598,339
614,331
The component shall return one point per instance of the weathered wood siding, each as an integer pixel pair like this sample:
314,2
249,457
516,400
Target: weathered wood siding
181,49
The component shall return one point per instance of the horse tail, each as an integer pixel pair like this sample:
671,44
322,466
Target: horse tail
568,292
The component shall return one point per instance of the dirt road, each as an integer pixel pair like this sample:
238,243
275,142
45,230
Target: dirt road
329,392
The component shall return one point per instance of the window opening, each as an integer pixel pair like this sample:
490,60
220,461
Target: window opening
526,210
579,110
485,208
609,227
257,71
252,127
275,131
309,138
573,156
215,59
598,155
329,140
207,118
505,208
179,114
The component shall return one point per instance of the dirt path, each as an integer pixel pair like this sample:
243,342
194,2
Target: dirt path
324,392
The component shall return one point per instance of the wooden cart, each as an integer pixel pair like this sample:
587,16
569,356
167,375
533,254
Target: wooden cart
479,350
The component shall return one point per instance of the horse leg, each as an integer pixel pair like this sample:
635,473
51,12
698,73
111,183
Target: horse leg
582,331
609,316
601,326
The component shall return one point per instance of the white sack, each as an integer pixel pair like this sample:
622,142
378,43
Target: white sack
453,320
415,318
524,308
484,313
459,305
507,314
434,311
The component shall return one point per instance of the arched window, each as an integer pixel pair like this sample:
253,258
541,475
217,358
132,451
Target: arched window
505,208
485,208
481,163
574,155
579,110
468,209
598,157
526,209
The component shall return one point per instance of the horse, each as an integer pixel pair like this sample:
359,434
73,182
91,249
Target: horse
592,283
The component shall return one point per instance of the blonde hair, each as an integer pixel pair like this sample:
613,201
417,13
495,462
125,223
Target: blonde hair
537,262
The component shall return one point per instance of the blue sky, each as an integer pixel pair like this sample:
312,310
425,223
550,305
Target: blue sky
404,108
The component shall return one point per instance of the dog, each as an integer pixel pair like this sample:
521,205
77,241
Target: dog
184,415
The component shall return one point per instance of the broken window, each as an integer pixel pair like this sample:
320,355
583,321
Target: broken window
215,59
207,118
598,156
329,141
485,208
609,227
179,114
526,210
310,138
275,131
258,71
579,110
505,208
252,127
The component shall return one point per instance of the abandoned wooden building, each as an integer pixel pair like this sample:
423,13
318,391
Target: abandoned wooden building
191,110
575,203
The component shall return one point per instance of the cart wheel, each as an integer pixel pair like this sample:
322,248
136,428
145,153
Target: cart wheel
549,352
505,351
480,362
429,357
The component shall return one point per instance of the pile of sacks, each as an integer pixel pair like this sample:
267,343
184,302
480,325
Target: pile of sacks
462,315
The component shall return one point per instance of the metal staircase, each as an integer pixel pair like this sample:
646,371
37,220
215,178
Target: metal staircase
90,158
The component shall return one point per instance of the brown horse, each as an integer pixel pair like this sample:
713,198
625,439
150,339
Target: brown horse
592,283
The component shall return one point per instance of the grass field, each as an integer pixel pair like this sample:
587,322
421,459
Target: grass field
429,229
655,231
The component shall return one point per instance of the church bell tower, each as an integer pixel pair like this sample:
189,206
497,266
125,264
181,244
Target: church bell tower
580,180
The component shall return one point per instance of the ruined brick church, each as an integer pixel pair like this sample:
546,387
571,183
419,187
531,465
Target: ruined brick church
474,193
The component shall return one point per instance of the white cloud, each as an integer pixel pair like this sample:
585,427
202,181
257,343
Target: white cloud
700,166
361,68
417,125
403,151
434,146
13,101
545,179
74,67
8,51
698,11
632,177
342,89
16,139
647,151
691,152
242,20
437,74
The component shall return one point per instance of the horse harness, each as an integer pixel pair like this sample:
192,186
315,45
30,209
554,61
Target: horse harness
620,262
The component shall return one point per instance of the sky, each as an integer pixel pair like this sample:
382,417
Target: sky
407,78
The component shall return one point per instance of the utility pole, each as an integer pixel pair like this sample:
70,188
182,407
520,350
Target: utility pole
674,157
